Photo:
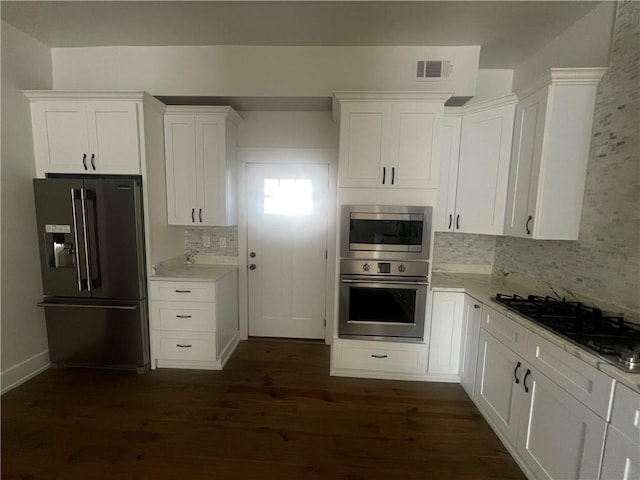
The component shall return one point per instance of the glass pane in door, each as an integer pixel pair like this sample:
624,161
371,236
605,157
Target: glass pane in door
387,305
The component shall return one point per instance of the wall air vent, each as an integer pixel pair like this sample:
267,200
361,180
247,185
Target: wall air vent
433,69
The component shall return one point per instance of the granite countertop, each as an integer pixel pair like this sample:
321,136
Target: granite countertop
483,286
203,269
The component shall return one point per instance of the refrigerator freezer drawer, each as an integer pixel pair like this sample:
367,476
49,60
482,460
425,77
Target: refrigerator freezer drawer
87,333
196,346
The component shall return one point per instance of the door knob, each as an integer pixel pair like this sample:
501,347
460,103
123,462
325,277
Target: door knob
252,266
252,254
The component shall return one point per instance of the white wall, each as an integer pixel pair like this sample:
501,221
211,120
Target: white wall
288,129
26,64
492,83
258,70
585,44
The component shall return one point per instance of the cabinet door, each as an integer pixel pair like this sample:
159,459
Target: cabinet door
446,326
483,171
61,137
365,129
621,459
211,168
179,136
525,165
471,319
415,145
449,154
558,436
113,137
498,379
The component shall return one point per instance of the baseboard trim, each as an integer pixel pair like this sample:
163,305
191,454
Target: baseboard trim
23,371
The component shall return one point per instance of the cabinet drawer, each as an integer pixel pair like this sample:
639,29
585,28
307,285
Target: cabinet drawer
191,316
185,346
590,386
509,332
402,358
625,414
183,291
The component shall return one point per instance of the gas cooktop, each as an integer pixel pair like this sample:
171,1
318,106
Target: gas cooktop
609,337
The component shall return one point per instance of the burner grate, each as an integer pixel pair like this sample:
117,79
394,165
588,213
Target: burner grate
606,335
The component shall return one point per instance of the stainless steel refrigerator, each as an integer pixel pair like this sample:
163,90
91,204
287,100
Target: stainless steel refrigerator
91,239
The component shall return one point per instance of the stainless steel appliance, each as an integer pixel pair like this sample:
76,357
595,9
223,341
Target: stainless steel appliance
91,240
382,300
385,232
609,337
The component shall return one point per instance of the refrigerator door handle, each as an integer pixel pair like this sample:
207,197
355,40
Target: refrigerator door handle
83,198
75,238
73,305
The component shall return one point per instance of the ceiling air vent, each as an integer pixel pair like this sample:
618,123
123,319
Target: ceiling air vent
432,69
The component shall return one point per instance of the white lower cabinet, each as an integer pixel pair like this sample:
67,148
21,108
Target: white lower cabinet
372,359
554,428
621,459
194,324
471,317
444,338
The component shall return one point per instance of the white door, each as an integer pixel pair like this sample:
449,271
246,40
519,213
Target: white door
180,153
471,319
287,244
446,324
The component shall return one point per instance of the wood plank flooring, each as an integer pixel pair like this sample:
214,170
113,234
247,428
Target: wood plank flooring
273,413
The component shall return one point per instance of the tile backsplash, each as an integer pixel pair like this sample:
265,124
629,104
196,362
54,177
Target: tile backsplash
604,263
194,241
463,249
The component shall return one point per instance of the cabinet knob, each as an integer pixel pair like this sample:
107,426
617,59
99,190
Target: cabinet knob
93,161
193,215
384,174
252,266
200,214
458,222
527,226
84,160
450,221
252,254
476,306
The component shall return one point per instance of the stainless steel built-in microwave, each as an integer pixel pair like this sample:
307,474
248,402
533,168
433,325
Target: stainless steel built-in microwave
385,232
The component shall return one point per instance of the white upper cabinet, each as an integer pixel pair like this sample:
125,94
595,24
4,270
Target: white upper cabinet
389,139
200,150
551,142
88,133
474,167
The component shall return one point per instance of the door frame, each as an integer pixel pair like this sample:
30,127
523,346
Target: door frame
300,156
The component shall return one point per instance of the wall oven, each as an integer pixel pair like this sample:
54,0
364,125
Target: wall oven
385,232
382,300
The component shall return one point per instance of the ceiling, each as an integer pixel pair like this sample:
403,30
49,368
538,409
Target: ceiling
508,31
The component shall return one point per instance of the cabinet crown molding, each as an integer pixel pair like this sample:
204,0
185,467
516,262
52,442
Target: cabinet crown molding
563,76
229,112
489,104
84,95
379,96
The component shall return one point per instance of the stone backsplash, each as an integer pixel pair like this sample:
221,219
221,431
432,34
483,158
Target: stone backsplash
463,249
194,241
604,263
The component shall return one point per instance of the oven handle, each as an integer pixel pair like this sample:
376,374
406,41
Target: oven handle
384,281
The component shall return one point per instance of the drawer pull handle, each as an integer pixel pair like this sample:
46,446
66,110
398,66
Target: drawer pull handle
183,316
379,356
183,346
183,291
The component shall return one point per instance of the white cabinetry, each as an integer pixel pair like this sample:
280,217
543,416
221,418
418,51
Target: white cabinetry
474,174
471,317
194,324
389,140
551,142
200,148
551,412
444,339
370,359
621,460
87,132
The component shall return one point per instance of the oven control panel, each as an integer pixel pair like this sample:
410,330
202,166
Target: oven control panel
392,268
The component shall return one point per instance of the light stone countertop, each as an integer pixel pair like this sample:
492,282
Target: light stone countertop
180,270
482,287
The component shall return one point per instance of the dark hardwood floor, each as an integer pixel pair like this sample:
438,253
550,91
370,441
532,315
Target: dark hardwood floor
273,413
